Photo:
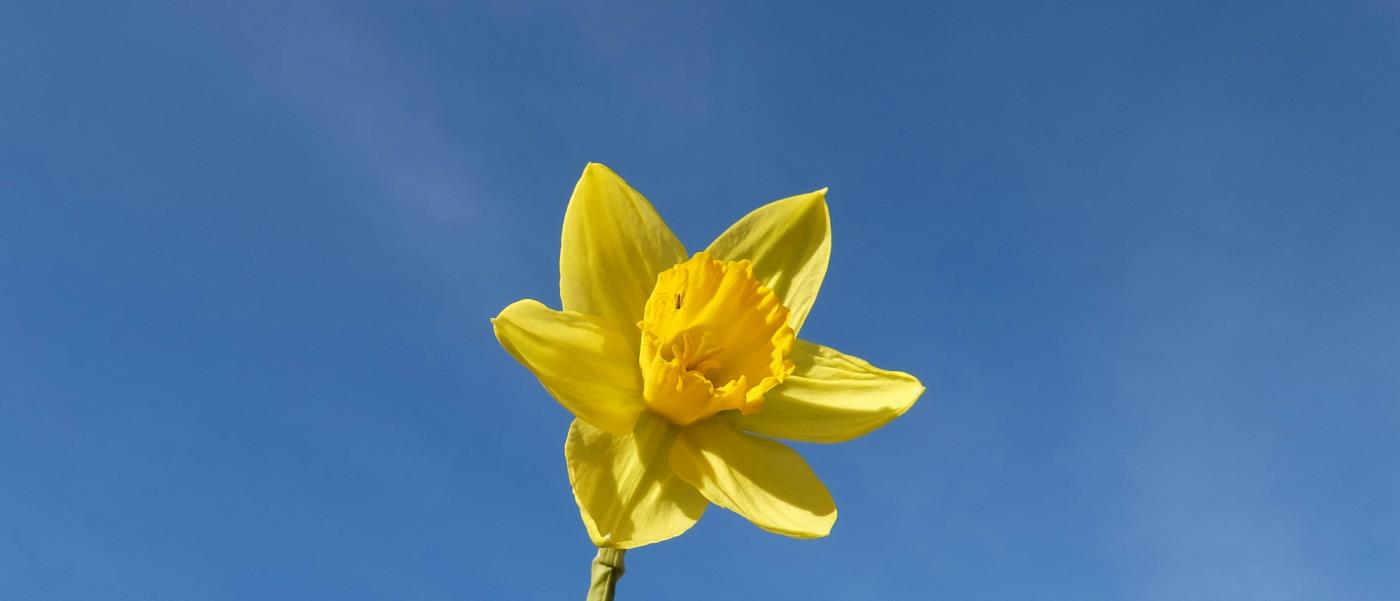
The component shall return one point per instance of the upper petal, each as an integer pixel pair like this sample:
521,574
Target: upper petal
831,397
625,489
588,364
789,243
614,243
760,479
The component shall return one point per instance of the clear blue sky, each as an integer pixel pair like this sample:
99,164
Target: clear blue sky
1143,256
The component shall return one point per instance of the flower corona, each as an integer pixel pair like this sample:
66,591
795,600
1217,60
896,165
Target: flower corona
713,339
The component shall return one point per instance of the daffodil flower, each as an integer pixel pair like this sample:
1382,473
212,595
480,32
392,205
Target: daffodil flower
681,370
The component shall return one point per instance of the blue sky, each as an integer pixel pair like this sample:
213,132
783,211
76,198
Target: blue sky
1143,255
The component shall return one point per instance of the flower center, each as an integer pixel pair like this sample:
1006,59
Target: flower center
713,339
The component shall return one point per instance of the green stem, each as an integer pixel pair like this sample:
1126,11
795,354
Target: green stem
607,570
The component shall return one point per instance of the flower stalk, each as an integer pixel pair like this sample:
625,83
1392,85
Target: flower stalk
607,570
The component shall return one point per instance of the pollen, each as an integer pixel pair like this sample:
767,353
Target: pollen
713,339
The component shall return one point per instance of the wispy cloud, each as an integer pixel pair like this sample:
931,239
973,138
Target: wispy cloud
1209,476
368,106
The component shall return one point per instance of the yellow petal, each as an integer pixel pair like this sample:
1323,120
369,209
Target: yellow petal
831,397
588,364
625,489
789,243
614,244
760,479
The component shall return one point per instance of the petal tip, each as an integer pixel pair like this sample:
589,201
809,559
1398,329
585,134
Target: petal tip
913,399
810,532
592,168
813,199
825,531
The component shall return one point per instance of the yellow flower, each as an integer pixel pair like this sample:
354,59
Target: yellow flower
680,370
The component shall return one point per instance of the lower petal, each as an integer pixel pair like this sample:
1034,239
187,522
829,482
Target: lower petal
763,480
626,491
